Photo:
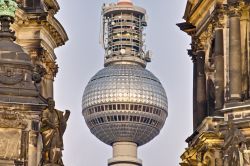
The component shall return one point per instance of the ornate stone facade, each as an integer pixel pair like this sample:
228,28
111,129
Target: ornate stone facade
39,33
220,51
27,70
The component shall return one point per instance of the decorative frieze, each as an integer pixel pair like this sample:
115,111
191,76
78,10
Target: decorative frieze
11,78
218,18
12,119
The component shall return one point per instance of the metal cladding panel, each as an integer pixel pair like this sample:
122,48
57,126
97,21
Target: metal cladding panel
124,83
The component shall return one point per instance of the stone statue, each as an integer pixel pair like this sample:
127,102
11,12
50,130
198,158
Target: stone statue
244,155
52,129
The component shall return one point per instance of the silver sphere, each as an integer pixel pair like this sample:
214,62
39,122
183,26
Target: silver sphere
125,102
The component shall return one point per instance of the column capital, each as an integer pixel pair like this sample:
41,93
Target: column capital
234,8
218,21
37,54
200,55
51,68
198,43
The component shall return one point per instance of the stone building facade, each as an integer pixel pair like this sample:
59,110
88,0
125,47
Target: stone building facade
39,33
27,71
220,52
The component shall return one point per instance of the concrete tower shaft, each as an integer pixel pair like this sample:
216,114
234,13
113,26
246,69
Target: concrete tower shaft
124,154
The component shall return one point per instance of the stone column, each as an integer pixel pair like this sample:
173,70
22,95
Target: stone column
51,69
201,87
47,86
124,154
195,117
39,148
244,24
219,69
33,148
235,77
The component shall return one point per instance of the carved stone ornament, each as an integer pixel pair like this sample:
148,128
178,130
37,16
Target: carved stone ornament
12,119
11,78
235,8
235,149
52,68
39,72
199,43
219,16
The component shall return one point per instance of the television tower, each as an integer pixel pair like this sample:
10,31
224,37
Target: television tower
124,104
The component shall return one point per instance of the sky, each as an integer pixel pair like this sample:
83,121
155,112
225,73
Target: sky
82,57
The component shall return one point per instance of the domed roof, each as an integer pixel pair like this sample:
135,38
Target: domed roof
16,84
13,53
125,102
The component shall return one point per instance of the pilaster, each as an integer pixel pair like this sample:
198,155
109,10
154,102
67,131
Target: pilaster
219,68
201,86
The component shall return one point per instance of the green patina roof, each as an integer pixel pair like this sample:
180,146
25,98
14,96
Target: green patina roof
8,8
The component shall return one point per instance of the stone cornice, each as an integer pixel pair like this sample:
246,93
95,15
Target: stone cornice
49,22
58,28
200,12
204,35
207,12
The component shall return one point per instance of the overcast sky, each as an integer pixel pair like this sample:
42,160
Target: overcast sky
82,57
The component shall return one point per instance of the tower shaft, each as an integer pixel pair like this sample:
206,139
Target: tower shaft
124,154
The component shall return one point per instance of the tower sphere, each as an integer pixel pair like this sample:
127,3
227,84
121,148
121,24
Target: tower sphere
124,102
